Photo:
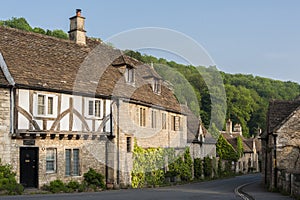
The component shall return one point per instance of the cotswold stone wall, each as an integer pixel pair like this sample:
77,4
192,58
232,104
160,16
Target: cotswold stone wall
289,182
5,141
288,155
288,144
149,136
91,155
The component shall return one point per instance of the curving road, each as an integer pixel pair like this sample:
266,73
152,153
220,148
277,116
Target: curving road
217,189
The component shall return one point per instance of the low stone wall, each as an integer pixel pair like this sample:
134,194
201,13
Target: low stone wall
289,182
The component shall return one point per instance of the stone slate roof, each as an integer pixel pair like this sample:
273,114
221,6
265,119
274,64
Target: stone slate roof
278,112
232,139
193,126
41,62
3,81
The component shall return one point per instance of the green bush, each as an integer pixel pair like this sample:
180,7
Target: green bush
73,186
57,186
198,168
93,178
207,167
8,183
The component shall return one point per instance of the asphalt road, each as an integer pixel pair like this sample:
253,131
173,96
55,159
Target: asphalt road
217,189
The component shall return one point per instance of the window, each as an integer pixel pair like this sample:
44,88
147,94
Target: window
51,160
72,162
128,143
68,162
94,108
153,117
129,75
41,104
50,105
175,123
45,105
76,162
142,117
164,121
156,86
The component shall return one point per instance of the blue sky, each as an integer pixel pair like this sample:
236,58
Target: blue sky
259,37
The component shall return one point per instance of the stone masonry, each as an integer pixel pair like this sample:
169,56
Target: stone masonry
5,141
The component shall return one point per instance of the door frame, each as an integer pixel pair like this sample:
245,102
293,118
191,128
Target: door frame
36,154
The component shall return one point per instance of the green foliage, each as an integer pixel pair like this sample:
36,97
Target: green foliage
239,147
57,186
22,24
8,183
225,150
207,167
182,166
198,168
73,185
93,178
147,166
220,168
18,23
57,33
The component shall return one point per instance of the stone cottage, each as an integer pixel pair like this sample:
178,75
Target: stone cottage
250,160
200,141
281,147
71,105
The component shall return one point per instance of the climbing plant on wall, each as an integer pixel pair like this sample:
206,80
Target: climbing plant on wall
226,150
239,147
147,167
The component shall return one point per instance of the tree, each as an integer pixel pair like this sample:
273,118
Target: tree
18,23
22,24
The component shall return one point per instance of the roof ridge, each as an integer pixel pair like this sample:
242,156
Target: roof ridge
40,35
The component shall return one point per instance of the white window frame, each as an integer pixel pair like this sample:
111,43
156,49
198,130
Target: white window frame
46,106
54,160
156,86
87,108
129,75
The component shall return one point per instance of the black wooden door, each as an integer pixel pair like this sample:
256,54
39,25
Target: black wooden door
29,166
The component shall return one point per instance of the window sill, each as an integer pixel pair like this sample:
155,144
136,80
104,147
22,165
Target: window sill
50,172
45,116
93,118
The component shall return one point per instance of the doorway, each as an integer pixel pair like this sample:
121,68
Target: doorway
29,166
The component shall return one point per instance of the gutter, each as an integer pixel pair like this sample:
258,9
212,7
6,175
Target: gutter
12,84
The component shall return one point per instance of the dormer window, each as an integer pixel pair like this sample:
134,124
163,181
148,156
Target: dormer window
156,86
129,75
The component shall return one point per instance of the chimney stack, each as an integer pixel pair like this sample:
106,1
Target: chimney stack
229,126
77,32
238,129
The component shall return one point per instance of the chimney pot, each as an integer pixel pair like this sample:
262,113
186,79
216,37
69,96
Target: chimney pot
78,12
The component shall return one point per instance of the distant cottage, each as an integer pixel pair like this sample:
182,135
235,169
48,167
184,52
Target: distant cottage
250,160
67,106
281,147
